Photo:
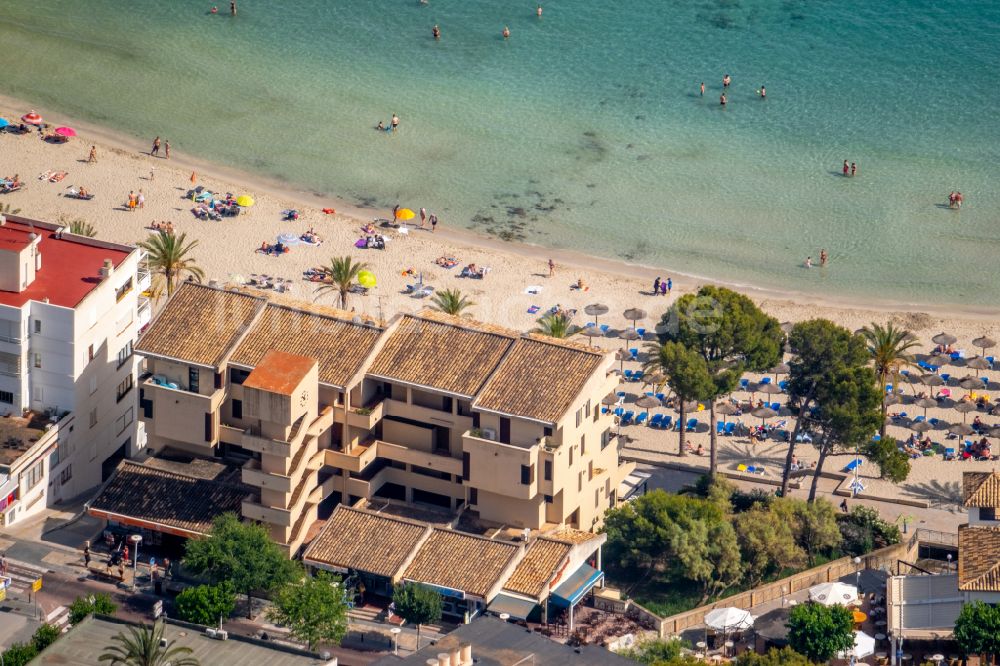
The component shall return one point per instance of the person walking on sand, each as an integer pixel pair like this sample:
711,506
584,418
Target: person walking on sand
552,268
155,150
434,223
166,149
140,200
822,257
670,285
92,158
702,88
423,216
656,286
86,554
506,32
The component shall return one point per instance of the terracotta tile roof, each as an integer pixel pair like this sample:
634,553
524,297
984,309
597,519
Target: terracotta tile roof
279,372
446,353
979,558
461,561
981,489
155,495
200,324
570,535
539,380
326,334
370,542
539,565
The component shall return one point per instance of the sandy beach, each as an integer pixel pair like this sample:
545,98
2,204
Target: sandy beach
227,251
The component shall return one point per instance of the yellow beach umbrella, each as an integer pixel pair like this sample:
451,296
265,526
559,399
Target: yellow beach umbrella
244,200
366,279
405,214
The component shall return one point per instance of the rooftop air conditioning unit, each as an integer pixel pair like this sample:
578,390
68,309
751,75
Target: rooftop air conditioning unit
222,635
210,632
490,434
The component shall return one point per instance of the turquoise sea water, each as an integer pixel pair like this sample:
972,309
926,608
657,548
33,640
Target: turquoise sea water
585,129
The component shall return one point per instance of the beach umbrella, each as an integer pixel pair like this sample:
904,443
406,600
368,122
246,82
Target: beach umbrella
691,406
769,389
780,369
591,332
944,339
629,334
920,426
648,402
830,594
926,403
610,399
961,429
32,118
244,200
891,399
940,360
994,431
595,310
367,279
621,356
764,413
726,408
654,379
984,343
964,408
405,214
726,619
786,327
931,380
972,383
65,131
634,315
978,363
4,122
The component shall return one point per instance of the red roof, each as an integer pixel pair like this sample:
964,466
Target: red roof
279,372
70,269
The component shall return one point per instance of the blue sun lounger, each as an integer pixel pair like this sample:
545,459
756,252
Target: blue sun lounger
691,426
639,420
853,465
627,417
656,421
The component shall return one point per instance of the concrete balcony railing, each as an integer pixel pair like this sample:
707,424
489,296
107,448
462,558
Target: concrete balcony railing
354,460
254,510
366,417
322,422
255,440
253,475
420,458
143,279
144,312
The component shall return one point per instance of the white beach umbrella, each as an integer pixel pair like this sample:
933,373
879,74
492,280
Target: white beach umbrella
864,645
829,594
726,619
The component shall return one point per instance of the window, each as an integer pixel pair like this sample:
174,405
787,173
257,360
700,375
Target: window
38,326
238,376
33,476
548,499
38,360
66,474
237,409
597,497
7,397
90,353
586,410
466,465
579,482
987,513
571,455
93,417
473,496
125,420
121,291
547,470
605,439
583,445
145,405
547,431
527,474
218,380
193,380
579,417
208,426
93,385
125,387
124,354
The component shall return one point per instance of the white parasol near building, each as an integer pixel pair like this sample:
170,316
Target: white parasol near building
829,594
864,646
728,619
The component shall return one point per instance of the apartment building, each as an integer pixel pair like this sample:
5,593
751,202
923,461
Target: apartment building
320,408
70,312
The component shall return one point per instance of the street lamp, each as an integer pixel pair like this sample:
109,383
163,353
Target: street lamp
136,539
949,562
857,575
395,631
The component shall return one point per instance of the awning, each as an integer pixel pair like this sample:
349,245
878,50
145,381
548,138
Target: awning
632,485
576,586
516,607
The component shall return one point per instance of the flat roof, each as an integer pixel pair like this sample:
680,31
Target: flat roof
70,267
339,345
498,643
450,354
18,435
374,543
279,372
200,324
89,639
165,499
460,561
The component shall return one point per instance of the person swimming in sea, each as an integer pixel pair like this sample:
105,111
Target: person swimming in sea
822,257
762,92
847,168
436,31
702,88
726,81
214,10
538,11
380,126
506,32
809,262
722,99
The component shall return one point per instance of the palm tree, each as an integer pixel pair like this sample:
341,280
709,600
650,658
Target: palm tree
340,275
168,255
81,227
687,375
554,325
141,647
451,301
889,348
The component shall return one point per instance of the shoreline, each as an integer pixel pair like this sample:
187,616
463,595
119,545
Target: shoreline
581,263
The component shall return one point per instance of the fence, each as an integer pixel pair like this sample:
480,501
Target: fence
882,559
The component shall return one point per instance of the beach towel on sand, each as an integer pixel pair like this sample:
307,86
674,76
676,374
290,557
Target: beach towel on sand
533,309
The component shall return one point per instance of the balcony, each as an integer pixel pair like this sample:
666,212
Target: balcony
354,460
255,441
273,515
143,278
144,313
442,463
366,417
254,476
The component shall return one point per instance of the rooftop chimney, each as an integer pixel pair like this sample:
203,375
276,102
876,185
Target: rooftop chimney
444,659
456,656
466,649
3,220
107,268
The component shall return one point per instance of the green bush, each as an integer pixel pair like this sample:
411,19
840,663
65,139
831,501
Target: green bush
44,636
96,603
757,498
19,654
820,632
655,651
893,464
206,604
864,530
